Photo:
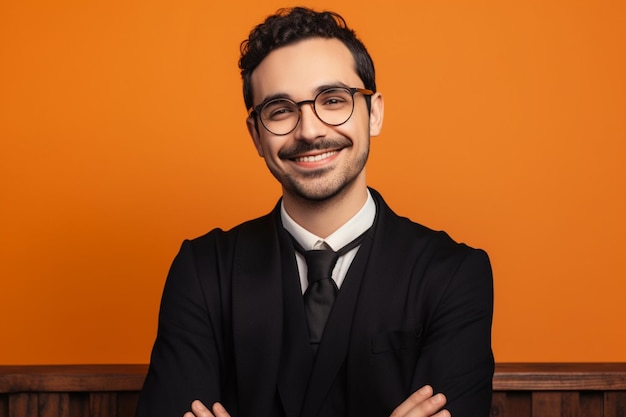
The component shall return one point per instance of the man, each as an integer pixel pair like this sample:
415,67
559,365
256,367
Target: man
247,329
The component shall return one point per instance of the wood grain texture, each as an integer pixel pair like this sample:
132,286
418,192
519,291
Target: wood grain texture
591,403
68,378
511,404
79,404
559,376
615,404
102,404
508,377
4,405
23,404
54,405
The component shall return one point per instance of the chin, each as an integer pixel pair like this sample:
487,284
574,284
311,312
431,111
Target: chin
320,192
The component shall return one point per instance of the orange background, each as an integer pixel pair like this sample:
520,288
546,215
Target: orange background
122,133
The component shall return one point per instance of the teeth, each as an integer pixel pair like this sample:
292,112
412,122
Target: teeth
316,157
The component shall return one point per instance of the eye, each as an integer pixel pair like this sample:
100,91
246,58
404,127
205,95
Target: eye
279,109
335,98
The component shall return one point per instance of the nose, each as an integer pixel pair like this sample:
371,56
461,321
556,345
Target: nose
310,127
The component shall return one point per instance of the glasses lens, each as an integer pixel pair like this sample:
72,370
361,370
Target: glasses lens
334,106
280,116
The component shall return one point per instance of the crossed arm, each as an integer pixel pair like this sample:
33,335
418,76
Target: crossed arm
422,403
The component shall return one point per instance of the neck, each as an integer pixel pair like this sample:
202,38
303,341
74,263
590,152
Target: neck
324,217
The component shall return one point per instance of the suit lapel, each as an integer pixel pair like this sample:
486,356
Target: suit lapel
390,265
257,314
297,356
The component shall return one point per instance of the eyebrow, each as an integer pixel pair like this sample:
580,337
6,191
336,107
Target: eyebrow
318,90
329,86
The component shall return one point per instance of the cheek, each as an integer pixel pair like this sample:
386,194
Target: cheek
271,147
356,129
361,118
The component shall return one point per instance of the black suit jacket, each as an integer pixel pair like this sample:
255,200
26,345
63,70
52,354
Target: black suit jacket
415,309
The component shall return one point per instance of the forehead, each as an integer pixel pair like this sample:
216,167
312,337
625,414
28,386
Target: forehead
298,69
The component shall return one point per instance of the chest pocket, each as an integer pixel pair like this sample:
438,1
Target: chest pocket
396,353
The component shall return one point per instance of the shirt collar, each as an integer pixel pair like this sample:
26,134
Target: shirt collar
350,230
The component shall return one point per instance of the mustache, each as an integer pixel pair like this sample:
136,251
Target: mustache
301,147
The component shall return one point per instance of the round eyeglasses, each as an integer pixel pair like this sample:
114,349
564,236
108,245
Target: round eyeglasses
333,106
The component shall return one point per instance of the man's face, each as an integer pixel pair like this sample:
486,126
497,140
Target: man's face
315,161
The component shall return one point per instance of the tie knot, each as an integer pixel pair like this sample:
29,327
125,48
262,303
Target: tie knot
320,264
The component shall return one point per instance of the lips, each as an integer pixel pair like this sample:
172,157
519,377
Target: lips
315,158
313,152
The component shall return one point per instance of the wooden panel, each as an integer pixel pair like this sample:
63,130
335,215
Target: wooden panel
127,403
591,404
79,404
102,404
546,404
615,404
4,405
498,404
54,405
23,404
511,404
568,404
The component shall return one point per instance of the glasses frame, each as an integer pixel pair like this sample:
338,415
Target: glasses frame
256,110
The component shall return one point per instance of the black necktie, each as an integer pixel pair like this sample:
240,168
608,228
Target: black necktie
322,290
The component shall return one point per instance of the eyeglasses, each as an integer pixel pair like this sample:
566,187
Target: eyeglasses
333,106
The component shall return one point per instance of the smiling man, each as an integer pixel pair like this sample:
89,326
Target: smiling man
331,305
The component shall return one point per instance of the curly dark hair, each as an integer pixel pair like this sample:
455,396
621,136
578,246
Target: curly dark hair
290,25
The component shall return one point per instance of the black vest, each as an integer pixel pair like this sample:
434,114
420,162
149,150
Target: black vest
303,383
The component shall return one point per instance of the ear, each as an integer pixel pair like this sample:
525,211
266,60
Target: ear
377,112
254,134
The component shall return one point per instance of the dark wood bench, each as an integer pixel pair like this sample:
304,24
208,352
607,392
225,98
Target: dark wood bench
520,390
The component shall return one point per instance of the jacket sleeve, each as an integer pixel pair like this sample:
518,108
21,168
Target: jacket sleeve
184,364
456,358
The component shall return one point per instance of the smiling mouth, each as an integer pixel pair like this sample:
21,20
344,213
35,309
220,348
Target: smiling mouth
315,158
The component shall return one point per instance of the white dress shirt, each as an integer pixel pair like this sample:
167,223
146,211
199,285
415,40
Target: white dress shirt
350,230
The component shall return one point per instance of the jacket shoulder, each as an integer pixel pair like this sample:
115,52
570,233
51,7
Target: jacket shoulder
410,234
227,239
